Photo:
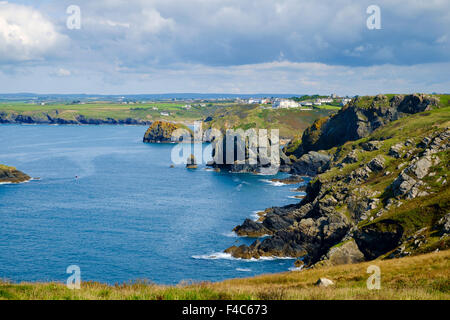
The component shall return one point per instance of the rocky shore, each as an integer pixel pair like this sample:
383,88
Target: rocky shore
54,118
12,175
380,189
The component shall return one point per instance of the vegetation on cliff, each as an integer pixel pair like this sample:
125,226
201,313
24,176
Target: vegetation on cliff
12,175
290,122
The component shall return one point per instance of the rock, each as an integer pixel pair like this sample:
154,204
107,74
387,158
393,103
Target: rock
444,223
293,179
420,167
371,145
12,175
377,163
351,157
324,282
378,238
191,163
311,164
396,150
162,131
251,228
258,159
299,263
402,184
346,253
360,175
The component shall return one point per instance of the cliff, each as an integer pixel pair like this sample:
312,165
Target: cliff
161,132
12,175
358,119
385,195
55,117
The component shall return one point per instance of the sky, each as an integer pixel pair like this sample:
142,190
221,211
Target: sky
225,46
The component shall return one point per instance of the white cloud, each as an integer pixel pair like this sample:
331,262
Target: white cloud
63,72
25,34
153,22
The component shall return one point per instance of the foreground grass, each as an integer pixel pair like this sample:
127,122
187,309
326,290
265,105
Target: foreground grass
419,277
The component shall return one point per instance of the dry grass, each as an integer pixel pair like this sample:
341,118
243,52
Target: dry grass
420,277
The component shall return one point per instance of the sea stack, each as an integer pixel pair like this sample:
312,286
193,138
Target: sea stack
191,163
12,175
162,131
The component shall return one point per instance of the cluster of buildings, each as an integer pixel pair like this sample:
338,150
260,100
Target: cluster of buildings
280,103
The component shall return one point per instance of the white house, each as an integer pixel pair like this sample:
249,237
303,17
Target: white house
324,100
284,104
345,101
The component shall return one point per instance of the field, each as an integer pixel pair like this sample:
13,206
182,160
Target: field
290,122
104,110
419,277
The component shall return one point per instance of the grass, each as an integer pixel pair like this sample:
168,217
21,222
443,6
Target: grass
3,167
420,277
290,122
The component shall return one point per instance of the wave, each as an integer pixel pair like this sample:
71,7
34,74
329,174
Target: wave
296,268
273,183
243,269
230,234
255,216
296,197
227,256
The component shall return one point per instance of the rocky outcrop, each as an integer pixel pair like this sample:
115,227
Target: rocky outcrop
345,253
376,239
162,132
238,153
361,117
311,164
53,117
12,175
191,163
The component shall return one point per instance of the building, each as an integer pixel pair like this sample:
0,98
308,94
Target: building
285,103
324,100
345,101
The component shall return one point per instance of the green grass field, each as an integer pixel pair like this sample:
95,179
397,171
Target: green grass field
290,122
103,110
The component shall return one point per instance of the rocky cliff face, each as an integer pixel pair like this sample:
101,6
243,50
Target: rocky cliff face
161,132
384,195
12,175
54,118
357,120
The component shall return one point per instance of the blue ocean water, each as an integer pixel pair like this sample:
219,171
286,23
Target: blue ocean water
128,216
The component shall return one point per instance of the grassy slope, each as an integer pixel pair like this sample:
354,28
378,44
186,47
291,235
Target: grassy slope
420,277
290,122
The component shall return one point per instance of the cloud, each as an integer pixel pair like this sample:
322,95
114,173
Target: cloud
235,45
271,77
63,72
25,34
